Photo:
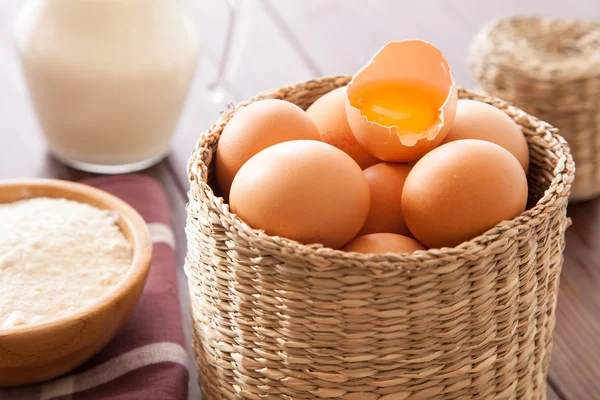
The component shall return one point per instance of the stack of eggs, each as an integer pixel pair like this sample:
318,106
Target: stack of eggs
393,162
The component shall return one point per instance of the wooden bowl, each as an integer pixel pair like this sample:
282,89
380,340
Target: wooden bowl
38,352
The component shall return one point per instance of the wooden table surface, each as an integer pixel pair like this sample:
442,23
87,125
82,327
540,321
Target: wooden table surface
291,41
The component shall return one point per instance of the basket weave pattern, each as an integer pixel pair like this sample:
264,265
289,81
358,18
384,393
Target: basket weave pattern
274,319
551,69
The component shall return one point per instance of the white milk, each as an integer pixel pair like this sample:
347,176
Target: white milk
108,78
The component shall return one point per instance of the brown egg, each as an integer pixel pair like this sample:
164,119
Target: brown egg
460,190
254,128
402,103
383,243
386,181
329,115
304,190
478,120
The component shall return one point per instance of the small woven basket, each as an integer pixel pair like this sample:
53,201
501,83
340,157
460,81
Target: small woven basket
275,319
551,69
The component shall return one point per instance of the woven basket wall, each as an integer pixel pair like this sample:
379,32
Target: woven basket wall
551,69
274,319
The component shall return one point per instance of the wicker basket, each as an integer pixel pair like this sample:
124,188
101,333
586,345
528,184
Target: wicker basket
274,319
551,69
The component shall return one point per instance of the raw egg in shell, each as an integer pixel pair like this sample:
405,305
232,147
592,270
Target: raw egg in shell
329,115
381,243
402,103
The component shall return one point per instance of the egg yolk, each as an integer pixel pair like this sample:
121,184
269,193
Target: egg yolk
410,106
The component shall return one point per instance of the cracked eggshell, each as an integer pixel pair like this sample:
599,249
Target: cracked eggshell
409,60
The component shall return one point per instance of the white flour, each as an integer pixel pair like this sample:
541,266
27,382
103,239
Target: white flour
56,256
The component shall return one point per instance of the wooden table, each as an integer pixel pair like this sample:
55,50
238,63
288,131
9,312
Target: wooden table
290,41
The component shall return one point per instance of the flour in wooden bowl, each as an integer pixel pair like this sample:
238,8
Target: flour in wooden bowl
56,256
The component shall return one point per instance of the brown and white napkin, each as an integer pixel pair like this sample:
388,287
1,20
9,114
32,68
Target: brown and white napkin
147,359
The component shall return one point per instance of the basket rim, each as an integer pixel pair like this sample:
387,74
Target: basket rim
556,195
490,46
